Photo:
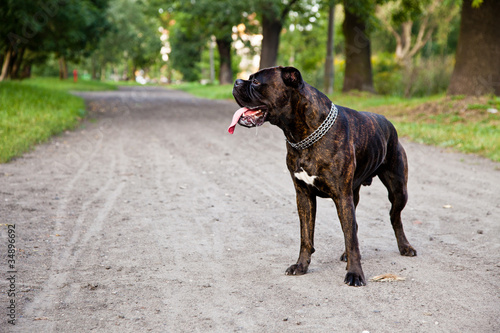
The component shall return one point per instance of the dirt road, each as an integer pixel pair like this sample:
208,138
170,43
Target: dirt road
151,218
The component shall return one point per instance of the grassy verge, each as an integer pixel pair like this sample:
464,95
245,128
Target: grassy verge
33,110
68,85
460,123
464,125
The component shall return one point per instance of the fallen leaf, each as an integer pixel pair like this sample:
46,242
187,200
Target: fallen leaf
387,278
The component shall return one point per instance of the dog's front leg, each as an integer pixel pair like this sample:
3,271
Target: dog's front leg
347,217
306,206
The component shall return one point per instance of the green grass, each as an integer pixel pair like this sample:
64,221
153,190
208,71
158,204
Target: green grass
68,85
33,110
366,101
478,138
422,120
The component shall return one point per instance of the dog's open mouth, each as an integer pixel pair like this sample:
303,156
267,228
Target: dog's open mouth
248,117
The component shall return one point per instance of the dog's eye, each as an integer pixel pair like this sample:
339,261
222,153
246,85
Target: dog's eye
256,82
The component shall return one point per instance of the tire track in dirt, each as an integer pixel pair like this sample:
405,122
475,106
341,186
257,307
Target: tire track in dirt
201,228
197,233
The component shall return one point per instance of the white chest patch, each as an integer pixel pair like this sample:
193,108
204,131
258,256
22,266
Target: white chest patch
309,180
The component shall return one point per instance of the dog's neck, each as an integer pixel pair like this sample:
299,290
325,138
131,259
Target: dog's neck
306,119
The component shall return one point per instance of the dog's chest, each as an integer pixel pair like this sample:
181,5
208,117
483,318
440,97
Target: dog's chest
310,170
305,177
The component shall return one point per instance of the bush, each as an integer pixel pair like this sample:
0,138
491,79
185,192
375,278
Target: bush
432,76
424,77
387,75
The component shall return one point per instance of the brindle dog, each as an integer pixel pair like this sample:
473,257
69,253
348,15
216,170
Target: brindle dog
357,147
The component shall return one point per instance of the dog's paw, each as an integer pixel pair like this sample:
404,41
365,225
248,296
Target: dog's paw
408,251
354,279
343,257
297,269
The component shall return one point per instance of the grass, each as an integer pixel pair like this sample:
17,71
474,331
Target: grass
478,138
68,85
458,122
33,110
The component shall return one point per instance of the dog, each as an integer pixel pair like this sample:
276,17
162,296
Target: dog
331,151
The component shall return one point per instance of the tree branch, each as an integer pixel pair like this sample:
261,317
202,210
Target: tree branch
287,9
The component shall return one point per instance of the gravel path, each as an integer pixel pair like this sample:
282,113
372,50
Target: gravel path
151,218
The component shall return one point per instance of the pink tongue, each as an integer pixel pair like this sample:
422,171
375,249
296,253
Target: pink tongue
236,117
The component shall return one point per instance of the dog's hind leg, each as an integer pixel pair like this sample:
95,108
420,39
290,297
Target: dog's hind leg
394,176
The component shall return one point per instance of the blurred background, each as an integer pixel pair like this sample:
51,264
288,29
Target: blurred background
393,47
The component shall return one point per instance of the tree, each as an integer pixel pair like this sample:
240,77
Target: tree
273,15
329,68
224,48
402,17
133,40
187,40
214,18
477,66
17,32
412,24
358,68
74,32
305,38
70,29
222,17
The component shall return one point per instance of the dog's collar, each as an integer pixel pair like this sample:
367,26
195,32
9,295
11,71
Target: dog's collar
319,132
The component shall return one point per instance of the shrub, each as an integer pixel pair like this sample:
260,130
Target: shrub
424,77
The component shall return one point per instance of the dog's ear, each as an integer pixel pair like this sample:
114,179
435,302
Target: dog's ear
291,77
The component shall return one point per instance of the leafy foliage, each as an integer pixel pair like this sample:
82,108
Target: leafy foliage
133,38
187,40
69,27
195,23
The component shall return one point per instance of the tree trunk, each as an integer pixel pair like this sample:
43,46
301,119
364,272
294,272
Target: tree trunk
6,64
358,67
212,62
94,67
225,71
102,76
134,70
63,68
272,23
329,67
271,30
26,71
16,65
477,65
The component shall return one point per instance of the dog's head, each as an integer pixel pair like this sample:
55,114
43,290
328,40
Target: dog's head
265,96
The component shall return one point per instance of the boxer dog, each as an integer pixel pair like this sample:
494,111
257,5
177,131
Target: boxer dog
331,151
